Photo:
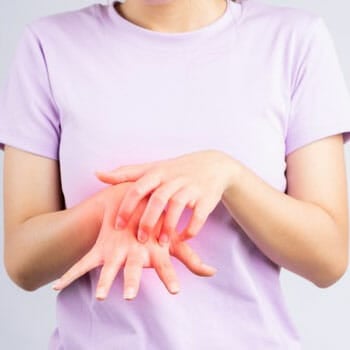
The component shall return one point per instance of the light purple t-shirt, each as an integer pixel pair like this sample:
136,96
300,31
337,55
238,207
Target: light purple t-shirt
95,91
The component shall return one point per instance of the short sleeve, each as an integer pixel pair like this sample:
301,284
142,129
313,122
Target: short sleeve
320,100
29,119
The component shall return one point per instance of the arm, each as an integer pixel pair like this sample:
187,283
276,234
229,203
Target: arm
305,230
42,240
44,246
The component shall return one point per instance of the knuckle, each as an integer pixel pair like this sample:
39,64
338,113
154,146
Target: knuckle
156,173
193,190
133,262
136,191
125,215
145,226
177,201
199,215
158,199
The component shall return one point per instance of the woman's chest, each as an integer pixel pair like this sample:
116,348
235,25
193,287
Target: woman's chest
144,110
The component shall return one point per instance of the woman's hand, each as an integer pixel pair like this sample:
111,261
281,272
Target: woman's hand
196,180
115,248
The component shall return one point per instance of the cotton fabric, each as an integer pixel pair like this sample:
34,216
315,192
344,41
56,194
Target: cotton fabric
94,91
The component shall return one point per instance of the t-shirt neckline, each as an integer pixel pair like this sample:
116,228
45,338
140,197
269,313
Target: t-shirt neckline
165,41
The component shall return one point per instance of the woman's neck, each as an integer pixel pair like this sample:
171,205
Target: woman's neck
171,16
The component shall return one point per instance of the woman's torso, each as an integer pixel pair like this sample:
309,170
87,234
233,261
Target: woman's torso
129,96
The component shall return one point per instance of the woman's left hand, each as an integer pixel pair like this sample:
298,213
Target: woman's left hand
196,180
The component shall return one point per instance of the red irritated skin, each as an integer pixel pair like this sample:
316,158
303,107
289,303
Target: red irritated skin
115,248
196,180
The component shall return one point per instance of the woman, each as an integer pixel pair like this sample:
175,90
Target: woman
234,109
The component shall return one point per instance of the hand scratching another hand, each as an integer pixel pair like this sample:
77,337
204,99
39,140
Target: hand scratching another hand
115,248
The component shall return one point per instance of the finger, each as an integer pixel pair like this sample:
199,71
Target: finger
132,275
198,218
85,264
133,196
124,173
109,215
177,204
120,175
156,205
167,274
90,260
107,276
191,260
110,268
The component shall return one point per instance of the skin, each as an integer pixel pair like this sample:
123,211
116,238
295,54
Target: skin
304,230
116,248
43,239
31,239
314,247
170,15
196,180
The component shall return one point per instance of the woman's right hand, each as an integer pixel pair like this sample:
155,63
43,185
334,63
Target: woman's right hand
119,247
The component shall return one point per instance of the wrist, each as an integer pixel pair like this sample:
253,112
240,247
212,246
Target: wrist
235,173
89,213
112,193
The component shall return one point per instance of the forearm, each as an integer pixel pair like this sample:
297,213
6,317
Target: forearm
45,246
295,234
48,244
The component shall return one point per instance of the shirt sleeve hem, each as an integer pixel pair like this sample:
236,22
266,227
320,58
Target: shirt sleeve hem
300,140
27,144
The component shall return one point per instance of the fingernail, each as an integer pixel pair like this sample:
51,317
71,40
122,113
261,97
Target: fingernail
102,173
100,294
164,238
56,284
142,236
129,293
209,267
174,287
120,223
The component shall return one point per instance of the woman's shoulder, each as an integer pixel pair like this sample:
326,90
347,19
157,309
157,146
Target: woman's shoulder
66,22
279,17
